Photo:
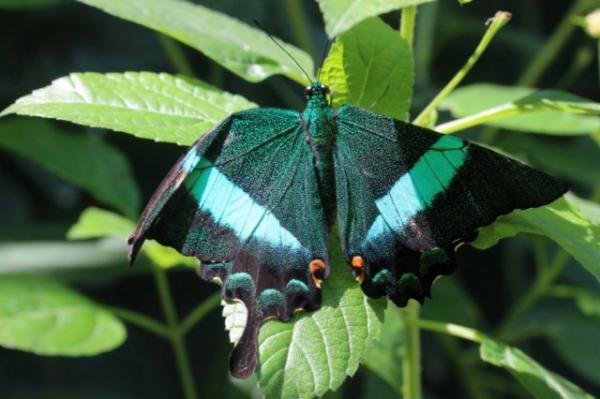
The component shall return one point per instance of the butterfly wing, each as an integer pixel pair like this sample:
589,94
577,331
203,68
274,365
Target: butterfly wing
244,200
407,197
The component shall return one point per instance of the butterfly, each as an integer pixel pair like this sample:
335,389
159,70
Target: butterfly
255,198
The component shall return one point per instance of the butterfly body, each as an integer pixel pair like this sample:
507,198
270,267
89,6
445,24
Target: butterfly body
256,197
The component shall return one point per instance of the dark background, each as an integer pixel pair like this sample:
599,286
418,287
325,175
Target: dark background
39,45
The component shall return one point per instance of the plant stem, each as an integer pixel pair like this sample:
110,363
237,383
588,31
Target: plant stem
141,321
299,24
188,385
534,294
199,313
411,362
455,330
407,24
175,55
553,46
492,114
499,20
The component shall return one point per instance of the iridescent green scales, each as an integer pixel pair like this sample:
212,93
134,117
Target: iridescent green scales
256,197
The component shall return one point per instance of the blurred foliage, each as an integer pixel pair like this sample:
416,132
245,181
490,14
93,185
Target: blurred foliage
527,298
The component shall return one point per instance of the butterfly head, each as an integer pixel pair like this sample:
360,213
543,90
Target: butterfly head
316,89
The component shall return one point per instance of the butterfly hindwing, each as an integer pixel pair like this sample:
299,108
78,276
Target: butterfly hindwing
245,201
408,196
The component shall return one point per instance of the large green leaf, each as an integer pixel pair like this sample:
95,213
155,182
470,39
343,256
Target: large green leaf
317,351
341,15
540,382
560,221
153,106
522,109
371,66
97,223
244,50
84,160
44,317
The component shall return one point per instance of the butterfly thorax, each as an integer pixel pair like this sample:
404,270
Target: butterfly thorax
317,122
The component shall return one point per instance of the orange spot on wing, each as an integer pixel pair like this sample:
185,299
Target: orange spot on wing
358,268
317,269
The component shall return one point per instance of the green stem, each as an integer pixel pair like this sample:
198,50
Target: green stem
299,24
411,362
188,385
500,19
141,321
175,55
454,330
164,293
199,313
553,46
492,114
534,294
407,24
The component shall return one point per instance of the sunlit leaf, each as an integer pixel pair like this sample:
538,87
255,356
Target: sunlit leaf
341,15
560,221
523,109
84,160
371,66
44,317
540,382
244,50
153,106
317,351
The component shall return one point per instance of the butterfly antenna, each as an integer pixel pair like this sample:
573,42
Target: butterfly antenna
283,49
326,49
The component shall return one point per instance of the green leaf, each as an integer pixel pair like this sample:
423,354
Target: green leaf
153,106
384,358
317,351
521,109
540,382
84,160
244,50
560,221
341,15
461,2
589,208
44,317
97,223
371,66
